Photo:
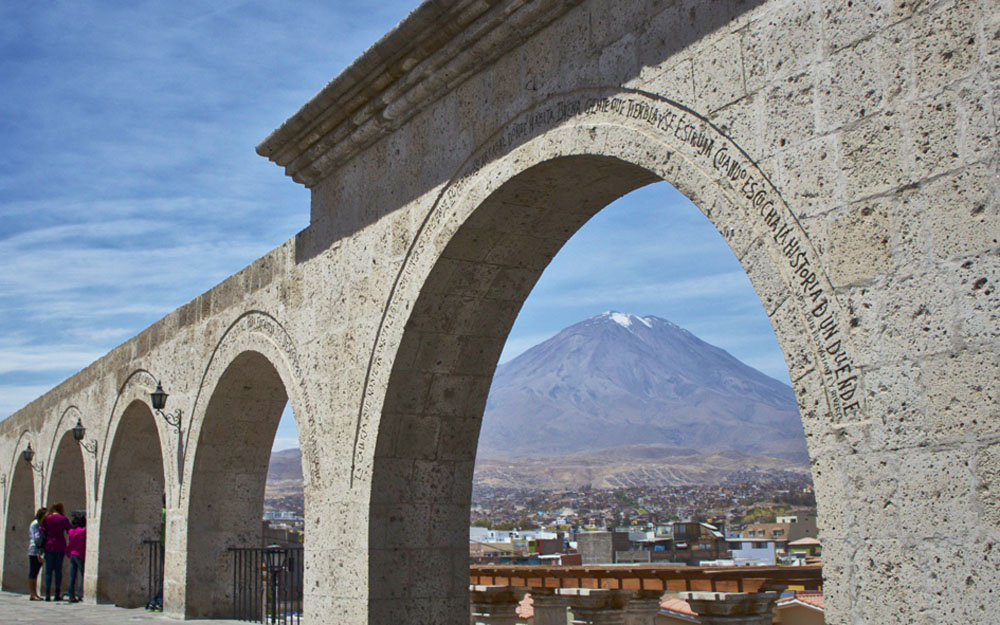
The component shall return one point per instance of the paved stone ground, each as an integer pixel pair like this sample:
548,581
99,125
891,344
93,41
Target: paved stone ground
17,610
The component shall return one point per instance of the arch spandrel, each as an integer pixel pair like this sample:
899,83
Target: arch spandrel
680,146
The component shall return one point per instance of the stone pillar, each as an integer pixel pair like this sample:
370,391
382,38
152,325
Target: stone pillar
732,608
494,605
595,606
549,606
642,607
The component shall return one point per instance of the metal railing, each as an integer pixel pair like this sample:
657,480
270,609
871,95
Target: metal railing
267,585
154,571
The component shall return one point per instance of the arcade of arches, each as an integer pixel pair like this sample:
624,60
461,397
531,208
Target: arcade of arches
846,152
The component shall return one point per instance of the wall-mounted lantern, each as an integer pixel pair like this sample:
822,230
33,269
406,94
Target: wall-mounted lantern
79,432
159,400
29,454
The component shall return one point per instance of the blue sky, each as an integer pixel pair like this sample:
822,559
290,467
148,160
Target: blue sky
129,184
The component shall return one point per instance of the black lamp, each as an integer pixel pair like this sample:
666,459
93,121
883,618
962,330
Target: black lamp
29,454
274,559
158,397
78,433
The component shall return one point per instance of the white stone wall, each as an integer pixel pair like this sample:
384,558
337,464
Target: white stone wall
849,155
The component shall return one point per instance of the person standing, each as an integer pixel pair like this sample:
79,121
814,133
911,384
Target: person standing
55,525
76,548
36,551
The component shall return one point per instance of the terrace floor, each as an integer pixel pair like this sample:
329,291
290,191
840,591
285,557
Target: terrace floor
17,610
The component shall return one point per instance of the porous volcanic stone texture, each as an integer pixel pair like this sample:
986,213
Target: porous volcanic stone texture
848,154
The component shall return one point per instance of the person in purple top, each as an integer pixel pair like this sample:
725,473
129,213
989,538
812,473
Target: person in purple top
76,548
56,525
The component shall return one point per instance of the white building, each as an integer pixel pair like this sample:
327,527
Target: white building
753,551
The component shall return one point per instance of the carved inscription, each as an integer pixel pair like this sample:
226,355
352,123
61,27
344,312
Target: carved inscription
702,144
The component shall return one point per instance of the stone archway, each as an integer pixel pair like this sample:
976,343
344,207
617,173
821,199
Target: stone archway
484,257
131,505
227,478
20,511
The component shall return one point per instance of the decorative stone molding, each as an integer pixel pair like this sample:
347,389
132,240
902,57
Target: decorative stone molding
732,608
439,46
595,606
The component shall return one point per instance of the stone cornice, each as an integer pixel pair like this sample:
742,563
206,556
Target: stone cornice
437,47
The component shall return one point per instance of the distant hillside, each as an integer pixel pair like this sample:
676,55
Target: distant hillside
284,475
636,465
619,380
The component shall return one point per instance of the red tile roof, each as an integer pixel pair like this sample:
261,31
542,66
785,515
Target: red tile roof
809,597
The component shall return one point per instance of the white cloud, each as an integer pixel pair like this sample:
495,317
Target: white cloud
46,359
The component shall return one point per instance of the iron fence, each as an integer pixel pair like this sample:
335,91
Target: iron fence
267,585
154,572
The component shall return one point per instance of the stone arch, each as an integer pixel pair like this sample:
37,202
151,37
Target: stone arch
474,261
253,373
20,509
131,506
66,474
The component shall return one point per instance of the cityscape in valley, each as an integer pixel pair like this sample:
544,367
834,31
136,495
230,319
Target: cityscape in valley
733,504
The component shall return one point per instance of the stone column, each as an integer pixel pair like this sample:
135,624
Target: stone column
549,606
642,607
732,608
494,605
595,606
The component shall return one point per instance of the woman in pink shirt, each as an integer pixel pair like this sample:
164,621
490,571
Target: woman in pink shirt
76,548
56,525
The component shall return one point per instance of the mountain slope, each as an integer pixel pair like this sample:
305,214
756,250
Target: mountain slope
621,380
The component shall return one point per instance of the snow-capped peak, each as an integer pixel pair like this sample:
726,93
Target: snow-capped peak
625,319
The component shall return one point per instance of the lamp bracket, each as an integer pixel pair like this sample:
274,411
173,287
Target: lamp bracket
173,420
90,447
